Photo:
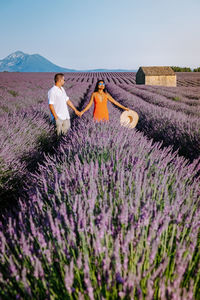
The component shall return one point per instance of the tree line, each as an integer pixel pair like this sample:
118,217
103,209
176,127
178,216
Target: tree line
184,69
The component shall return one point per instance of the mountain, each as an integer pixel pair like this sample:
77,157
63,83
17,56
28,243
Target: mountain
21,62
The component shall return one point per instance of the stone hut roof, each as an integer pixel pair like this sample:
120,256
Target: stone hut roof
158,71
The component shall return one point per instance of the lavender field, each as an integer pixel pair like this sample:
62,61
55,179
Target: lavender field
104,212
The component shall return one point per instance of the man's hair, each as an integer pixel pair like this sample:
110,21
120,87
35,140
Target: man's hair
58,76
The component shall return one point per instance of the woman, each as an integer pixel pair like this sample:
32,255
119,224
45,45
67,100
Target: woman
100,97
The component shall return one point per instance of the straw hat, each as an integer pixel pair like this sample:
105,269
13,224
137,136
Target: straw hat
129,118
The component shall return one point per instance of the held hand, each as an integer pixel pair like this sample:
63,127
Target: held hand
77,113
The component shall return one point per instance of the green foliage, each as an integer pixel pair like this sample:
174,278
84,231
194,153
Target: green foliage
181,69
176,98
196,70
13,93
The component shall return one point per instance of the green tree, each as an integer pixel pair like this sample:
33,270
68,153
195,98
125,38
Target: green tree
181,69
196,70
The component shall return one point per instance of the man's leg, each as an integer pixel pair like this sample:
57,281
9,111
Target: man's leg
65,126
59,126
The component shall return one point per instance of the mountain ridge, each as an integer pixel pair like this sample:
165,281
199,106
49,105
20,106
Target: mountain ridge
22,62
19,61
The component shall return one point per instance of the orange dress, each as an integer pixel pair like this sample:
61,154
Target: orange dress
100,108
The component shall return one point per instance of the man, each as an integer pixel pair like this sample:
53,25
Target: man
58,101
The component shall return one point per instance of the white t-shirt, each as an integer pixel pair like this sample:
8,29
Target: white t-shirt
58,97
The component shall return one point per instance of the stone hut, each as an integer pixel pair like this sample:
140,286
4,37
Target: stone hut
156,76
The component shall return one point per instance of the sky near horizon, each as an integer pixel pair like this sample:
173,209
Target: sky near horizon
85,34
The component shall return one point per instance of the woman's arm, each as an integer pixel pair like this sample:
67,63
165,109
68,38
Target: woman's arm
110,98
88,106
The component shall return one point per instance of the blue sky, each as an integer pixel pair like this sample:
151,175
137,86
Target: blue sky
85,34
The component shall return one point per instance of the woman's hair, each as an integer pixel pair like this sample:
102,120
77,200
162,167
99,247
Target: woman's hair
97,84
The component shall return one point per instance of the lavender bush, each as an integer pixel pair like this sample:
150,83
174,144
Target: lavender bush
162,101
189,95
163,124
111,215
26,130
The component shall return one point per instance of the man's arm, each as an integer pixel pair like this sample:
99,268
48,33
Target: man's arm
53,111
71,105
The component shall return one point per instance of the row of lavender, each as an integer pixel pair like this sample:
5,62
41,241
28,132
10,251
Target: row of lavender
126,171
188,95
163,98
26,130
171,126
170,115
183,79
111,215
39,81
25,122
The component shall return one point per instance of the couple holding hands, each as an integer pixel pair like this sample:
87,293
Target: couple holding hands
58,99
